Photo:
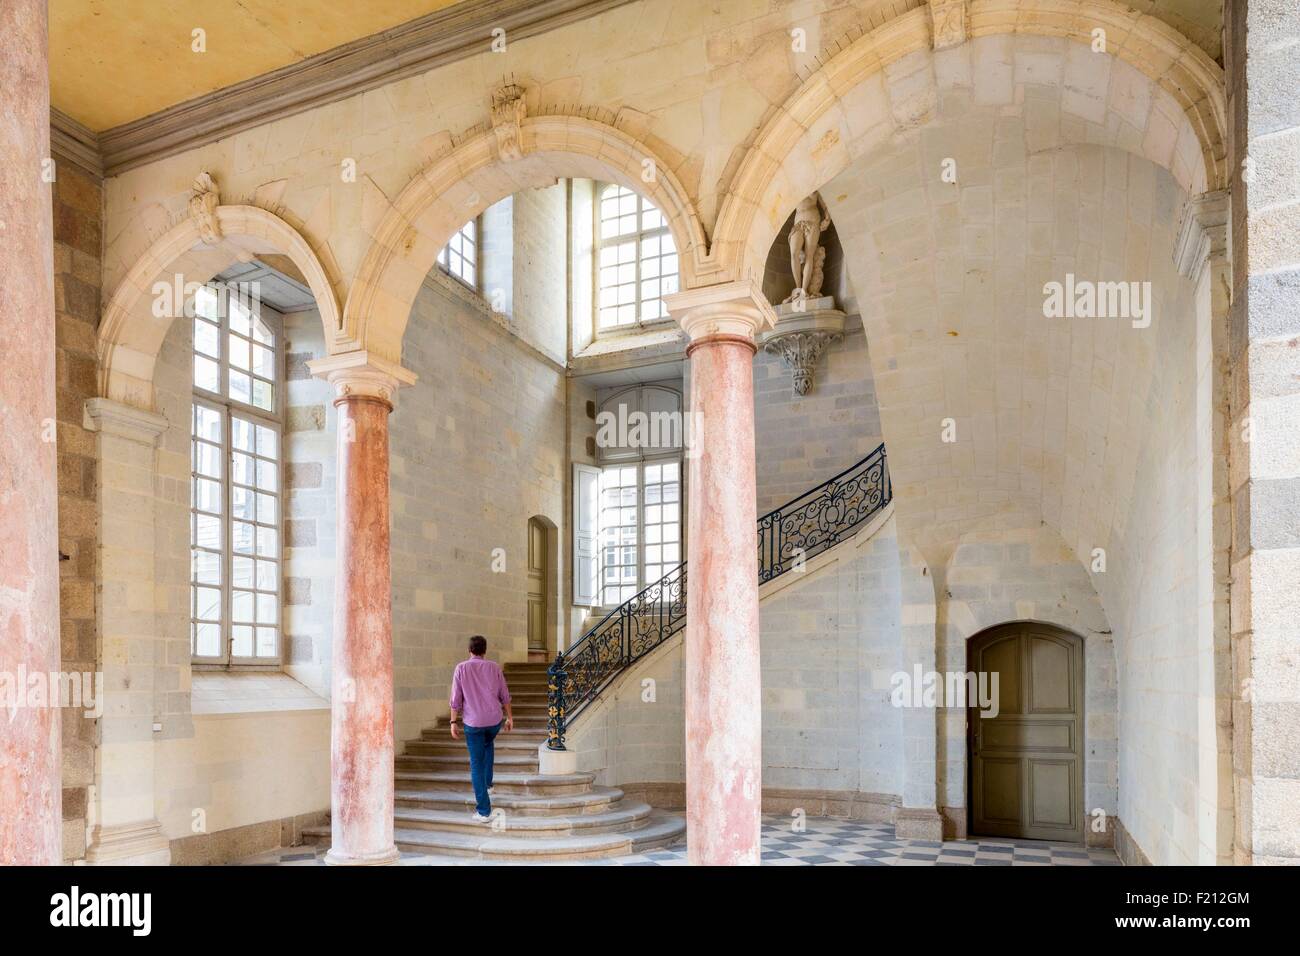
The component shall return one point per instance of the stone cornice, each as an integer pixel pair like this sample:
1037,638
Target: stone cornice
125,421
71,142
445,36
1202,232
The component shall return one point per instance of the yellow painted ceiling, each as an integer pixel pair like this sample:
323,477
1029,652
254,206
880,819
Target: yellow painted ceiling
112,61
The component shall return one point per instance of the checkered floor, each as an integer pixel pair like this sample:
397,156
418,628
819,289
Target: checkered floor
822,842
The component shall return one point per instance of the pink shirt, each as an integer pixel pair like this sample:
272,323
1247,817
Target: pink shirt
478,689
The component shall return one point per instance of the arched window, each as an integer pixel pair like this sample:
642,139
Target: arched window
637,261
235,459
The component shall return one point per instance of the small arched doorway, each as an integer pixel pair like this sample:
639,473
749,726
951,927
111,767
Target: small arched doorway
1026,759
539,617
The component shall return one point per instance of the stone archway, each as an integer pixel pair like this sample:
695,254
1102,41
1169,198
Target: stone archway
152,293
1169,106
491,162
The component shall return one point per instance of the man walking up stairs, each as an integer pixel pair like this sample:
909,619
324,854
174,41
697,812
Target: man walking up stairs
479,693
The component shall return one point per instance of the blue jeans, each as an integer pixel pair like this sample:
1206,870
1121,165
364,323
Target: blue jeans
479,740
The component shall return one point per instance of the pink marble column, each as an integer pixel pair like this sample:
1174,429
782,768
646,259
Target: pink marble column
30,755
361,736
723,688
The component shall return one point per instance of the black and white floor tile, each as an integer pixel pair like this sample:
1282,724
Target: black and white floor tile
821,842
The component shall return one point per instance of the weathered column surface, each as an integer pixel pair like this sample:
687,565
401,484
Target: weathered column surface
30,757
361,699
723,684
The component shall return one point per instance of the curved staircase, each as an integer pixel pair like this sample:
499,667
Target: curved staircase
536,818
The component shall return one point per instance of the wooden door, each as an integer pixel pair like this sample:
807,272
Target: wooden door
1026,764
537,574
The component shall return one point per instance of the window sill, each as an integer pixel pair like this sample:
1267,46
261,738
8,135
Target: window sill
230,694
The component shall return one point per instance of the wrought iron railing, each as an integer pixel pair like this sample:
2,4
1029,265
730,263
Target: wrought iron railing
787,537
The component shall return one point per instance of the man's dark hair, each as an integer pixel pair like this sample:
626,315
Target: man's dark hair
478,644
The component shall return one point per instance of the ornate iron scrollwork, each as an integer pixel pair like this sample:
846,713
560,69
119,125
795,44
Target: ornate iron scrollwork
787,537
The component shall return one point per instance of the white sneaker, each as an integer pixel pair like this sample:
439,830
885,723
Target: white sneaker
479,818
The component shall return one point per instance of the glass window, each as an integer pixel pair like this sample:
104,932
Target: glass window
640,526
459,257
636,260
235,482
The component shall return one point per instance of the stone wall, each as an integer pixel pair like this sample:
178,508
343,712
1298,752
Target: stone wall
477,448
832,742
802,440
77,243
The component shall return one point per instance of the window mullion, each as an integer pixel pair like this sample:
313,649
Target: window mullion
227,540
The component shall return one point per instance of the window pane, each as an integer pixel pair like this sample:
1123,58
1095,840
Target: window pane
207,338
241,434
266,441
241,468
239,352
266,575
242,572
207,604
241,503
206,374
268,611
239,315
242,535
263,395
207,532
207,495
241,606
241,643
240,387
267,509
268,542
266,475
267,645
207,567
207,640
207,423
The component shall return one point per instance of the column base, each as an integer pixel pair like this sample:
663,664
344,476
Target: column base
918,823
382,858
129,844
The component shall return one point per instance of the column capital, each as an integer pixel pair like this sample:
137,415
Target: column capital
1202,232
361,374
736,309
125,421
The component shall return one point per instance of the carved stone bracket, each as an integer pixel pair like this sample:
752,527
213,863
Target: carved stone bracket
802,335
204,200
508,112
948,22
1203,232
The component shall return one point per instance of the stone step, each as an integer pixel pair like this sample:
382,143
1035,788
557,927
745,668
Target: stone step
595,800
520,762
660,829
507,783
526,724
505,824
514,738
443,745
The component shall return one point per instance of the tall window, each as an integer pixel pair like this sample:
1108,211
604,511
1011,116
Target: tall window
637,260
459,257
235,458
640,526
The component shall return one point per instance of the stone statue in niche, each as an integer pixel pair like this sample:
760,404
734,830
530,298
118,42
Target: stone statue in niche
807,258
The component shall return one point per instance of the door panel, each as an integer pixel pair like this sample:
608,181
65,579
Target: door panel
1026,764
537,573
